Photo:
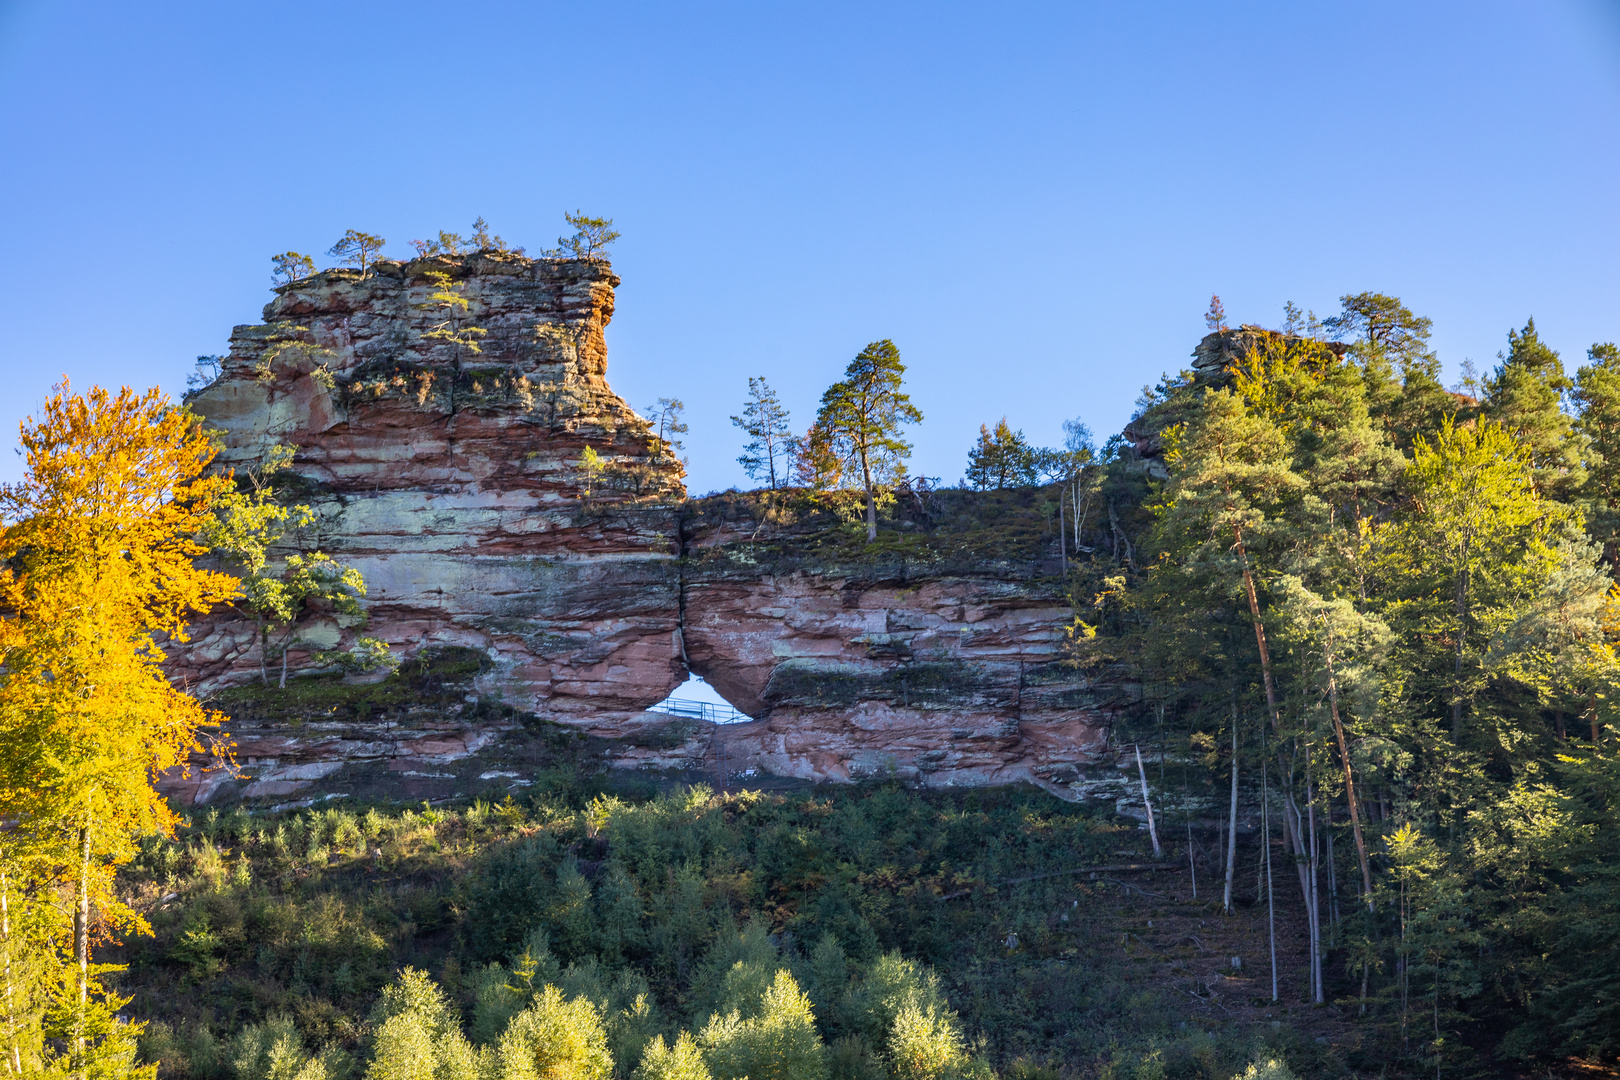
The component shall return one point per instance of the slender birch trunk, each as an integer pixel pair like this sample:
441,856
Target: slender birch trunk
14,1051
1316,886
1265,830
1231,834
81,942
1063,532
1153,831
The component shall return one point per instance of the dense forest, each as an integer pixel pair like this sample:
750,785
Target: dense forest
1383,612
1362,631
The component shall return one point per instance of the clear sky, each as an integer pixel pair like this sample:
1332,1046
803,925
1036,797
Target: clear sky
1033,201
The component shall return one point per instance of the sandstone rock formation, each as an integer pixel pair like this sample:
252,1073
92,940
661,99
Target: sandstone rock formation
452,479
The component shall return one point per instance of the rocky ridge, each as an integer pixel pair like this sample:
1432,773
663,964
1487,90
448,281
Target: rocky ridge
452,478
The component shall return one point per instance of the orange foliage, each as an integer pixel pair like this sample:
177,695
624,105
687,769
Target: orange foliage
97,550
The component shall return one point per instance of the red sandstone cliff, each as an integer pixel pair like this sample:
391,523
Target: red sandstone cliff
451,479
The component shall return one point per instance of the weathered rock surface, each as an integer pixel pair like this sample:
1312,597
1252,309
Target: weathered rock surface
452,480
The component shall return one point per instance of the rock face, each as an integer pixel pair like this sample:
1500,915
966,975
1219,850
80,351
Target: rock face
937,666
453,478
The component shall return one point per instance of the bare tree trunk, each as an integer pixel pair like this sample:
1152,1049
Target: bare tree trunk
1231,836
1063,531
871,499
1153,831
1271,906
284,665
1192,864
1316,891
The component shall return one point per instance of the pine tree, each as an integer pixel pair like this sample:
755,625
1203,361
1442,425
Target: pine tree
1596,396
1525,395
290,266
860,420
1401,373
771,444
1001,459
358,248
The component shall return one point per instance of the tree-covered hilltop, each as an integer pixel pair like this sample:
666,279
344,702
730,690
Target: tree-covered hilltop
1390,607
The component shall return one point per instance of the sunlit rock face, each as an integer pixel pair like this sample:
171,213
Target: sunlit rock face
451,477
939,670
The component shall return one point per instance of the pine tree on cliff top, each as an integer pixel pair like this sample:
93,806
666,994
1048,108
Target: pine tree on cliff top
358,248
765,421
860,418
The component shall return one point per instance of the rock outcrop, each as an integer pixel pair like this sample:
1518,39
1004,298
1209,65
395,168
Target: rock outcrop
451,478
441,444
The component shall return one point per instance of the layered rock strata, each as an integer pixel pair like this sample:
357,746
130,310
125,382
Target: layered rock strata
441,445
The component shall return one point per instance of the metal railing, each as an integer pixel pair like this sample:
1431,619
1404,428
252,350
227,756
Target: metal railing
700,710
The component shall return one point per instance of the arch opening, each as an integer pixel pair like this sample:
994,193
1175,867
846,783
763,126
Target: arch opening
695,699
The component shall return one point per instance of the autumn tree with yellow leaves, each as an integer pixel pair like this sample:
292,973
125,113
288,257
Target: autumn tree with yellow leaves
98,550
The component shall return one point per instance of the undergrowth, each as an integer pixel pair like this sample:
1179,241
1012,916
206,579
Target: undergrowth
308,915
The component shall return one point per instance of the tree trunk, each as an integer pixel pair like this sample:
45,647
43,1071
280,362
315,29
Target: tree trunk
1462,632
81,942
1259,631
1316,887
1231,833
1153,831
1349,779
1063,532
1192,864
14,1052
1271,905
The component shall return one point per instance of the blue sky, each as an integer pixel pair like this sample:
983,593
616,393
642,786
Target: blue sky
1033,201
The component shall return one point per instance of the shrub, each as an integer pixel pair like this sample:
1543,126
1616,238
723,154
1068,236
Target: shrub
682,1061
554,1039
780,1043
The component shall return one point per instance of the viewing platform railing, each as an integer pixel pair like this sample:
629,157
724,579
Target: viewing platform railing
700,710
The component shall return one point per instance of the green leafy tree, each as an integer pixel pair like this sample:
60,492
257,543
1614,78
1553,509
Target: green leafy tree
1390,344
770,440
419,1034
1002,458
357,248
290,266
860,419
258,537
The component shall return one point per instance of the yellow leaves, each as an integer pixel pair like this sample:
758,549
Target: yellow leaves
99,540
